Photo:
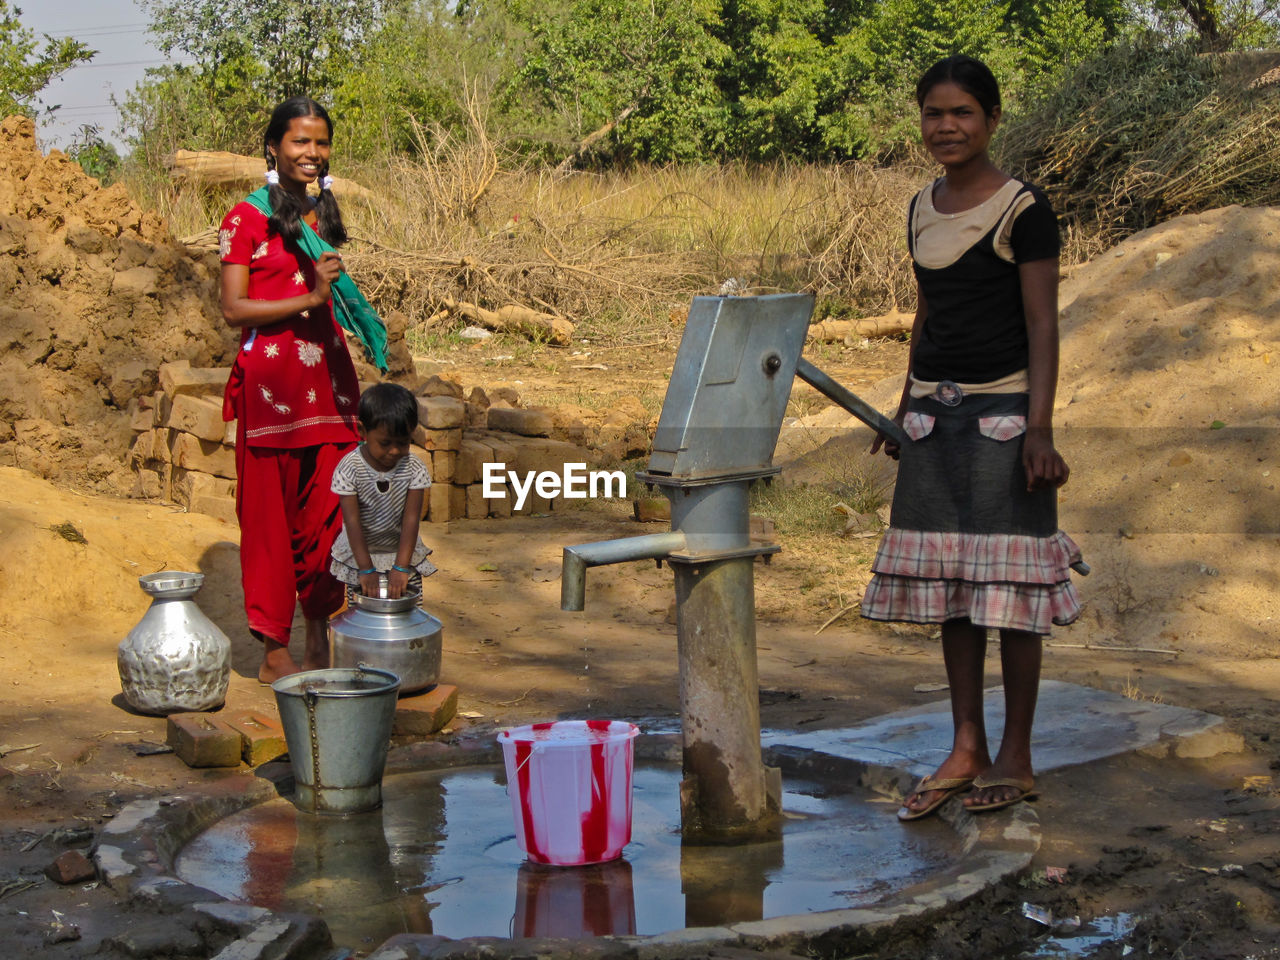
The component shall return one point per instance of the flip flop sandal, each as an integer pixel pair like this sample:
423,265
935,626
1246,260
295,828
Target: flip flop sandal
948,787
1026,791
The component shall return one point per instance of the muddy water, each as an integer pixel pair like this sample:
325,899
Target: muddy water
441,857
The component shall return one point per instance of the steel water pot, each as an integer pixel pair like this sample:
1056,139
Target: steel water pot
175,660
396,635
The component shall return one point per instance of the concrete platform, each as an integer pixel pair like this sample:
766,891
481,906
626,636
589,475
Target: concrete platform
1074,725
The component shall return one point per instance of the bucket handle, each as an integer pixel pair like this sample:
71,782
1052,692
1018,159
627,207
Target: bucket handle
533,748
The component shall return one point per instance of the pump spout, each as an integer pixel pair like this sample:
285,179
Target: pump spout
573,578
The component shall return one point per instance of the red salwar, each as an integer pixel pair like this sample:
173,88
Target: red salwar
293,393
289,519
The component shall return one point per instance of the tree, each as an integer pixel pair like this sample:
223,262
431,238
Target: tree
247,57
25,69
304,45
650,68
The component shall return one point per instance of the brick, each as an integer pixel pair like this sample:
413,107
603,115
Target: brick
537,455
457,501
200,740
501,506
141,418
477,505
479,397
652,510
190,484
220,508
140,452
71,867
444,465
261,736
162,403
427,712
525,423
437,439
472,456
504,451
477,416
437,386
438,503
507,395
147,484
205,456
201,416
441,413
760,529
179,377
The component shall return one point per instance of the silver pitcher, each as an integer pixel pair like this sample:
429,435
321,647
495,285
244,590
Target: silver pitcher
396,635
175,660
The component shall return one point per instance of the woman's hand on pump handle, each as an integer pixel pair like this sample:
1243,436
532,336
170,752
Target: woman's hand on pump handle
891,447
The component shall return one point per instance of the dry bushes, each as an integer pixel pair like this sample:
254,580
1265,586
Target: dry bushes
620,251
1145,132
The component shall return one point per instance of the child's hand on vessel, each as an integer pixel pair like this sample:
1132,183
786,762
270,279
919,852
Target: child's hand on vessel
1043,464
397,582
370,584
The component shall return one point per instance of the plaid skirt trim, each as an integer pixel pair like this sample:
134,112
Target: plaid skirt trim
977,558
1004,606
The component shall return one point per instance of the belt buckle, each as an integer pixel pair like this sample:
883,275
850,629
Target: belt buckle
948,393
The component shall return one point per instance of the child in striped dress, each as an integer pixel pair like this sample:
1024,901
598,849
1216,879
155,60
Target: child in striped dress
380,486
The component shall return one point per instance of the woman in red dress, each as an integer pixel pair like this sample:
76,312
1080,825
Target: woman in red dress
292,390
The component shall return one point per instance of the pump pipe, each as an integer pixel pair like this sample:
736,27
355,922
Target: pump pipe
573,577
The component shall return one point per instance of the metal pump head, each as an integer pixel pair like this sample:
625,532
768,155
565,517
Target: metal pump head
730,385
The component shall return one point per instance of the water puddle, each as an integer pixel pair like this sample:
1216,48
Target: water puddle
1084,939
440,857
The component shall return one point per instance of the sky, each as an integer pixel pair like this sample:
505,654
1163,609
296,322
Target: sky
117,29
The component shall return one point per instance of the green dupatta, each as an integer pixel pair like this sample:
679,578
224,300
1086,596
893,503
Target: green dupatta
350,308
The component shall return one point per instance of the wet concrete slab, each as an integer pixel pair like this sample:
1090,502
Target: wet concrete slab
1074,725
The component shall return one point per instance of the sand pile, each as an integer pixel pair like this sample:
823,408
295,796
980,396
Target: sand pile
1167,415
94,295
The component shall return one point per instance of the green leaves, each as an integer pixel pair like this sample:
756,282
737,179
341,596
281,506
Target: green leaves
27,66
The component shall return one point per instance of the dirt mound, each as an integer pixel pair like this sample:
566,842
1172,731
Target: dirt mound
96,295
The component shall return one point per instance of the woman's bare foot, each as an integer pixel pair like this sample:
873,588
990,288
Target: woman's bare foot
276,662
316,654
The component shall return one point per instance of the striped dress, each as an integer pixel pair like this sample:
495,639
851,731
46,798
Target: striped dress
381,497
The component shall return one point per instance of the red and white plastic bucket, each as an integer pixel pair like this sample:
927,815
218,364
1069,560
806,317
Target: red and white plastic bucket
570,788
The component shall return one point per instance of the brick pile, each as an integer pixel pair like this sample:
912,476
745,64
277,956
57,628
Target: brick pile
183,451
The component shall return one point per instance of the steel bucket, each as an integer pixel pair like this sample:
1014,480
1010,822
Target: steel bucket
337,723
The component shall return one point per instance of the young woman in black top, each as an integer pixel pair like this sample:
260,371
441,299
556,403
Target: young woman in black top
973,542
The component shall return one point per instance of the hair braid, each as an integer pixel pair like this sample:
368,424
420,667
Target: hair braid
328,216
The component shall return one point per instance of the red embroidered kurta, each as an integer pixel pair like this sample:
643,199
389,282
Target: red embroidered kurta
293,383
